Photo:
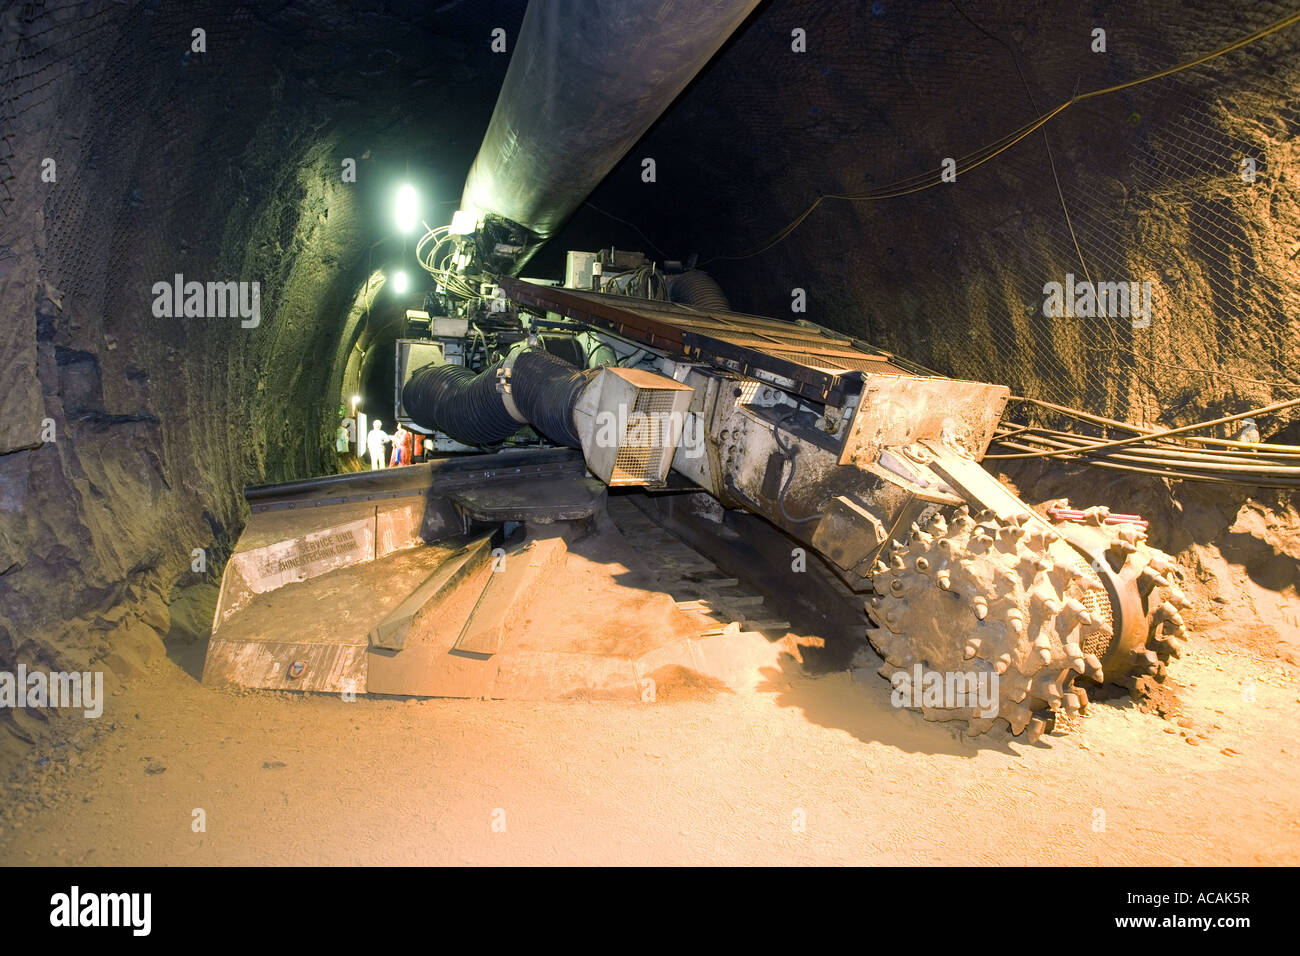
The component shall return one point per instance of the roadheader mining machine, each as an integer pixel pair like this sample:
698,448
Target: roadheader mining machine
643,376
857,455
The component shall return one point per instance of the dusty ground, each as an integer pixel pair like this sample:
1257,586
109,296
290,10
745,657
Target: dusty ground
806,770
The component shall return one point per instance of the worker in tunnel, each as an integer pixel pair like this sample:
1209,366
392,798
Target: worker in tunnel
401,446
375,441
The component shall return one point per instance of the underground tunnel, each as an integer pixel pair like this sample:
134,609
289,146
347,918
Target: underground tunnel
965,332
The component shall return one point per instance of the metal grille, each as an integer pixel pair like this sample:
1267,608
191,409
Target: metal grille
641,449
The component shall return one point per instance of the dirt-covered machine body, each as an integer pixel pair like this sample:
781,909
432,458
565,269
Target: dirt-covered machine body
637,373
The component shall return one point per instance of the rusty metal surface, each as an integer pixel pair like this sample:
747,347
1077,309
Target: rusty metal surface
898,410
810,361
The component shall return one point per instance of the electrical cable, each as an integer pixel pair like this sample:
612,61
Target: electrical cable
1277,406
789,453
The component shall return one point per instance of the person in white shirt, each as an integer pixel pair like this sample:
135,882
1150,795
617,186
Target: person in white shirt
375,440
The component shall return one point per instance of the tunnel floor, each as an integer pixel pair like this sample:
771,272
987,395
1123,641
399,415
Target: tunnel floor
811,764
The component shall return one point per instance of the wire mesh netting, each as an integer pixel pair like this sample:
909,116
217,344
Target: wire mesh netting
1183,189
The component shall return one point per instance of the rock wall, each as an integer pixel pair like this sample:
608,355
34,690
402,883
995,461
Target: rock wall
224,165
1150,178
130,157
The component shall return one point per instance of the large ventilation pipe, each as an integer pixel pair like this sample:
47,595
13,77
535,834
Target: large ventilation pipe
627,422
586,80
477,409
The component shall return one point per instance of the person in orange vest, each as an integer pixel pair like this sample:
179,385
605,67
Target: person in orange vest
401,440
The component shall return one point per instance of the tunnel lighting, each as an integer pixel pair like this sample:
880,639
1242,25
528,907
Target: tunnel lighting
408,208
462,223
399,282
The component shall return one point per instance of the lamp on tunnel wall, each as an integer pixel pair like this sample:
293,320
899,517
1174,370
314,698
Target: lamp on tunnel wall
407,210
400,282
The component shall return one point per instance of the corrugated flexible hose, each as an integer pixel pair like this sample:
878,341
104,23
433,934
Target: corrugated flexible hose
471,409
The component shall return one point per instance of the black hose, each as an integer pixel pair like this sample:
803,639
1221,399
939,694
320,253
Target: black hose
452,399
698,289
545,389
471,409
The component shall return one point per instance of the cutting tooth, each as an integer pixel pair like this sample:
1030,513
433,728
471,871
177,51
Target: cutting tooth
1094,667
1071,701
981,606
1178,598
1051,537
1045,655
1016,620
923,564
979,725
972,647
1002,663
1018,716
1171,614
1082,695
1096,516
879,567
1012,532
1152,575
1043,641
1084,579
938,525
943,579
1042,563
1035,729
896,560
1019,690
1161,563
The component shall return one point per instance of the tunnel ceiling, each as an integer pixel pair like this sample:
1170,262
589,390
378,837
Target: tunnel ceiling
226,164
